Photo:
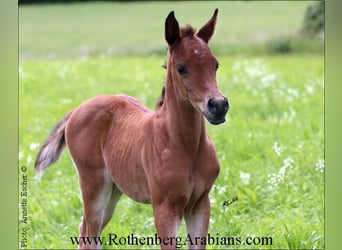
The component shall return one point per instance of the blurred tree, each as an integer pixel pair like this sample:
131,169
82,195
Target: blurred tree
71,1
314,20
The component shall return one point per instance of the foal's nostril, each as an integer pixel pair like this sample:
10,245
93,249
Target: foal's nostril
212,106
226,104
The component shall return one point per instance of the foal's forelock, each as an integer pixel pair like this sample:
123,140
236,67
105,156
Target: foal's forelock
187,30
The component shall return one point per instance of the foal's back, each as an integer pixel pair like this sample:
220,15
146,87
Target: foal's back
93,119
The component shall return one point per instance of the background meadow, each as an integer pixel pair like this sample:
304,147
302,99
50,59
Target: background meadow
271,148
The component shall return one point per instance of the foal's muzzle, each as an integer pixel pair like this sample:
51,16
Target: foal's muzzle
216,110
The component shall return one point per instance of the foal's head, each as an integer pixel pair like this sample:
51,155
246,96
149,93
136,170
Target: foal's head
193,68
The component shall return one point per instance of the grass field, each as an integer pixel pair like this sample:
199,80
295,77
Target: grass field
271,148
107,29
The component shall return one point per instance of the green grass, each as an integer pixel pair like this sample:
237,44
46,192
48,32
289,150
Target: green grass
271,148
107,29
276,106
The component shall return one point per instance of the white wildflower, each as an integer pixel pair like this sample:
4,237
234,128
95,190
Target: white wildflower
212,200
22,72
33,146
293,92
254,68
309,89
268,79
245,177
65,100
29,159
319,166
272,180
282,172
275,178
288,162
222,190
21,155
276,148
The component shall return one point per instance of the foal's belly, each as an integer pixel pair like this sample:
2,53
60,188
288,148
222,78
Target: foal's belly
124,142
131,181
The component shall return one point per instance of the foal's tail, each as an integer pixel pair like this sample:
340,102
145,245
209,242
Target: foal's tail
52,148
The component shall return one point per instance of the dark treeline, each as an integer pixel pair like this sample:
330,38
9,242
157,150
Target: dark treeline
72,1
314,19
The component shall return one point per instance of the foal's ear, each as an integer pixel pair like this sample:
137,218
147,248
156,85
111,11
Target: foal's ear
206,32
171,29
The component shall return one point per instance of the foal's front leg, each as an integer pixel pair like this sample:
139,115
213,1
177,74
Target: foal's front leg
167,219
197,221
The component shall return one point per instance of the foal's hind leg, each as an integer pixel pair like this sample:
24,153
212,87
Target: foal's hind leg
96,186
115,196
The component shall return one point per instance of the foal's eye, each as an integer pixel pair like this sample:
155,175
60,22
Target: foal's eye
216,66
181,69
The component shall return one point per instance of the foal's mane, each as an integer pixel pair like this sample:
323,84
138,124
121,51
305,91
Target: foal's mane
185,31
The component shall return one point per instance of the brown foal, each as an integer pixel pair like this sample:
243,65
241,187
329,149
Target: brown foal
163,157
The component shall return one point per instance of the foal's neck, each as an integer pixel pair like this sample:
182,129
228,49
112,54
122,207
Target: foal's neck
184,123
